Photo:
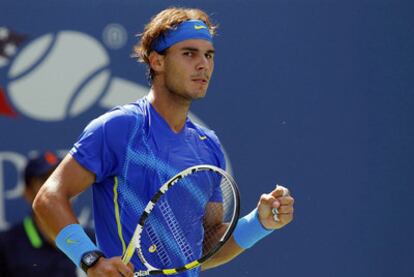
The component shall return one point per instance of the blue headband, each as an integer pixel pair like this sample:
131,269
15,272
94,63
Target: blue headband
191,29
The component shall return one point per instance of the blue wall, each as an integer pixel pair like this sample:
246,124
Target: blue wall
316,95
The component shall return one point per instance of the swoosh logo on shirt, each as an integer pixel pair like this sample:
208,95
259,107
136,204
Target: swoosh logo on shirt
198,27
202,137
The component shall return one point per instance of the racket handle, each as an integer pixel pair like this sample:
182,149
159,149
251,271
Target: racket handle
141,273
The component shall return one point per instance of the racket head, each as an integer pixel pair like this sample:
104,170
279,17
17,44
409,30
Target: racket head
186,222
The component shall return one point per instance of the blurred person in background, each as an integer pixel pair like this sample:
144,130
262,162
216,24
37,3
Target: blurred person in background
25,249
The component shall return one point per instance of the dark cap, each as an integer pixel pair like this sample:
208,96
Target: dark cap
40,165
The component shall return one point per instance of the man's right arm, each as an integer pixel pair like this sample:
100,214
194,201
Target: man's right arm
52,203
52,206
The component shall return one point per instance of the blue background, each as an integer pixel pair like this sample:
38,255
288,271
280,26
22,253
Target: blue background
315,95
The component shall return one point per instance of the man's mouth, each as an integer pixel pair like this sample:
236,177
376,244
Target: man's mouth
200,80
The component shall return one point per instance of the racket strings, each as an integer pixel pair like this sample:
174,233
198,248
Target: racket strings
169,244
176,230
215,231
189,220
158,247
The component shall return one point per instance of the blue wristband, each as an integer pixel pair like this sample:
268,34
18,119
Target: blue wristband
74,242
249,230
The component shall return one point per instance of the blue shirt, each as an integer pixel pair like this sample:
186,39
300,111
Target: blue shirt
132,151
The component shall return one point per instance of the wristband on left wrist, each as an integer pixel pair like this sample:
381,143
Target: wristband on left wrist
250,230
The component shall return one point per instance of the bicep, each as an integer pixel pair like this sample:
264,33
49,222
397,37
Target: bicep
69,179
52,204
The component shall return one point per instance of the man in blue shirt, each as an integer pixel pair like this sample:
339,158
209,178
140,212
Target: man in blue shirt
127,153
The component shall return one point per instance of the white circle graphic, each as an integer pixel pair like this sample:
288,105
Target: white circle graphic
58,76
114,36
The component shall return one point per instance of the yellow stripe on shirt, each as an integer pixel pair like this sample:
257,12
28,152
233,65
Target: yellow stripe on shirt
117,216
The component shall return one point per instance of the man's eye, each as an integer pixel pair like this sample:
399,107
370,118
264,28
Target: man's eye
188,54
209,56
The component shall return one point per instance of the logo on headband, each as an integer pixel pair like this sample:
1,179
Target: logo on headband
190,29
198,27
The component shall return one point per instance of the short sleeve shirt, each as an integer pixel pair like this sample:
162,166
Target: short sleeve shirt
132,151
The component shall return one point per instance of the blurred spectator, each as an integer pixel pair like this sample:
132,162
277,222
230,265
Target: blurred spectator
25,249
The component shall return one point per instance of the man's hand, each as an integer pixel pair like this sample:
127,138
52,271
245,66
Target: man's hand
113,267
280,199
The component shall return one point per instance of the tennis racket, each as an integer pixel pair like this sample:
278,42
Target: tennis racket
186,222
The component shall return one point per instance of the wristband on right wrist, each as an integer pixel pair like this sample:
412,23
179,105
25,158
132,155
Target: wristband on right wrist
74,242
249,230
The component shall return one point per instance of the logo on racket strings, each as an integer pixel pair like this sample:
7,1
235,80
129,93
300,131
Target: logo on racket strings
152,248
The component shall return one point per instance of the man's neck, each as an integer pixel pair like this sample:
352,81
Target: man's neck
172,108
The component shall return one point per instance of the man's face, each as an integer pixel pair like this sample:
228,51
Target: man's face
188,66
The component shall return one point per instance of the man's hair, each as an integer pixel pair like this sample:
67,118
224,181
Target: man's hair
162,22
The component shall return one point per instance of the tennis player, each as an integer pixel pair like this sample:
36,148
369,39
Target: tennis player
127,153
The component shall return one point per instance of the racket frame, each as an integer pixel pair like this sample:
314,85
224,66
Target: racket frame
135,242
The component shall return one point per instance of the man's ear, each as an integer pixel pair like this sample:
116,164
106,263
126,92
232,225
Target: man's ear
156,62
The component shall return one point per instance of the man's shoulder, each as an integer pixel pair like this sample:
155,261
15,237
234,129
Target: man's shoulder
131,111
124,116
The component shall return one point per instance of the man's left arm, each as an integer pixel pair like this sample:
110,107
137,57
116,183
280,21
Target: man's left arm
256,225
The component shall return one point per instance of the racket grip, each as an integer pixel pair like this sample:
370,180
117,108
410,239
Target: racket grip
141,273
